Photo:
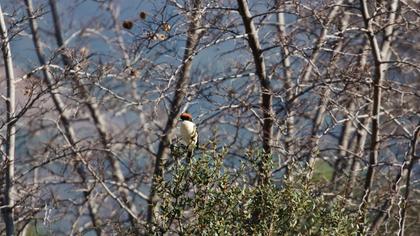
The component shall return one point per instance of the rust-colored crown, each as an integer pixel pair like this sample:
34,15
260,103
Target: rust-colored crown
186,116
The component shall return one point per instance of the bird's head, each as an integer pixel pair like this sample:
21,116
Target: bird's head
185,116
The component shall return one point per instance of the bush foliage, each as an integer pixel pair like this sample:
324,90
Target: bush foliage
203,196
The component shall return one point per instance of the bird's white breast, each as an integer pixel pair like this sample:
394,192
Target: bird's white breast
187,129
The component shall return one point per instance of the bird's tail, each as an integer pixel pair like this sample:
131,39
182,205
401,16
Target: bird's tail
189,155
190,150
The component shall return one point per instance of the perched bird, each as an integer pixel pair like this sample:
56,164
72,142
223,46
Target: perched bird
188,133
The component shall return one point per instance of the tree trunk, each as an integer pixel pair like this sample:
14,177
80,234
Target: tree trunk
8,198
176,104
325,94
266,92
65,121
288,83
379,55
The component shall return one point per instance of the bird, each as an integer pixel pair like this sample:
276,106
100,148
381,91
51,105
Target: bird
188,133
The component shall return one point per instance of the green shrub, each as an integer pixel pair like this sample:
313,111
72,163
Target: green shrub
204,197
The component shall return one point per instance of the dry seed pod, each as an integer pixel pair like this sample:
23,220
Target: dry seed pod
142,15
166,27
127,24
